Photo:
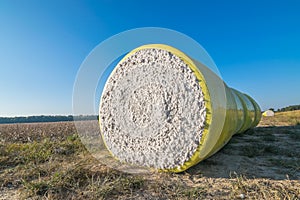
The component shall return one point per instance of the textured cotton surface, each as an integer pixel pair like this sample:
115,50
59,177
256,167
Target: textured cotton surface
152,110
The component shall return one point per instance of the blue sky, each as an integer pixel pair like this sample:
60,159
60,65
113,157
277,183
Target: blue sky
255,44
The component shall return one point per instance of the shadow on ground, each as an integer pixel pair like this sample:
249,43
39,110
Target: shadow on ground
263,152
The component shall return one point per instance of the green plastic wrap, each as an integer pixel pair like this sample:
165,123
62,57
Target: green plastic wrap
228,111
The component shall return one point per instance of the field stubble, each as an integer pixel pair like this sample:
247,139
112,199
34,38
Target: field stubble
48,161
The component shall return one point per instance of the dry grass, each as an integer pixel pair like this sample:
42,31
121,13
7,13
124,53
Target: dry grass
48,161
289,118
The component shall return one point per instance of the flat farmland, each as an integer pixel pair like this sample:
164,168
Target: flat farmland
48,161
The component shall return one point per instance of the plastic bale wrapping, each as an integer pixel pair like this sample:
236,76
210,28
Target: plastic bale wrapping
163,110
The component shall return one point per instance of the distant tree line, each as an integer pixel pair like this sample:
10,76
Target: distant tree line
289,108
43,118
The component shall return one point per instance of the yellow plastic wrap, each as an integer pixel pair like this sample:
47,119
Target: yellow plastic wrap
228,111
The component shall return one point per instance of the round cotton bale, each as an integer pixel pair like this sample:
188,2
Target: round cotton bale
269,113
159,110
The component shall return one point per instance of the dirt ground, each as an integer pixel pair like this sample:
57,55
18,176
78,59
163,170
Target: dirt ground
48,161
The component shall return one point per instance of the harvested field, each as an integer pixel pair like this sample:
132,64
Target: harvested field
48,161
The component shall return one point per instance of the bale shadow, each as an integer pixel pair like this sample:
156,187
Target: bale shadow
263,152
